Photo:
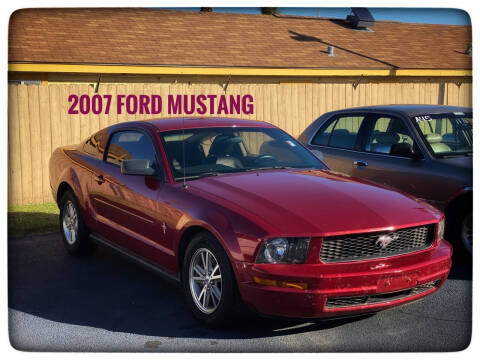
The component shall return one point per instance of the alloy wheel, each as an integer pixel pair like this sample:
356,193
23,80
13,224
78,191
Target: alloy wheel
205,279
70,222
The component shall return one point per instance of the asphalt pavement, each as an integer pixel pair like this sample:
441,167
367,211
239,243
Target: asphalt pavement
106,303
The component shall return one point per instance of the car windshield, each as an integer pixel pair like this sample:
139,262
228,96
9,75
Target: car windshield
195,153
446,134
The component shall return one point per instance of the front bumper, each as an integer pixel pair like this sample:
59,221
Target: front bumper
366,286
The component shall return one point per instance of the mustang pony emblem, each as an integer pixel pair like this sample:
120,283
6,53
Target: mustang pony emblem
384,240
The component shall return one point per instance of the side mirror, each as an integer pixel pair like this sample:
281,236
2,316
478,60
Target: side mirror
404,149
137,167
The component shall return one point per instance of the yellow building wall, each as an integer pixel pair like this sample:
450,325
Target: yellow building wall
39,123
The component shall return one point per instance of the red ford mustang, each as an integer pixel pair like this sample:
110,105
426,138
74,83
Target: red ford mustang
239,212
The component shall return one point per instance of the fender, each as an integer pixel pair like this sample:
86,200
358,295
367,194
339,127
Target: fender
458,197
459,192
238,236
68,174
225,236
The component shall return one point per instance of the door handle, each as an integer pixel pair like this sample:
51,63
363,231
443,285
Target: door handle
100,179
360,163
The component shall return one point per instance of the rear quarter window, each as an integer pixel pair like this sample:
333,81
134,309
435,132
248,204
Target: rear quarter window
95,144
339,132
130,144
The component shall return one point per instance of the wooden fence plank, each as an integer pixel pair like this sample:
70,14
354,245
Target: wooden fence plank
465,98
295,111
84,119
92,120
65,118
14,148
46,139
322,98
274,104
315,99
310,114
55,117
421,94
302,109
35,143
74,120
103,117
25,145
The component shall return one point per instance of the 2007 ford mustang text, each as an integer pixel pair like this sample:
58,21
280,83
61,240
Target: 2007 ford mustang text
240,213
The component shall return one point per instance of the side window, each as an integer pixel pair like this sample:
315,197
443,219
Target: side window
323,135
340,132
95,144
130,145
386,132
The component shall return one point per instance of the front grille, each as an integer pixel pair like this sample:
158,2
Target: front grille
348,301
367,245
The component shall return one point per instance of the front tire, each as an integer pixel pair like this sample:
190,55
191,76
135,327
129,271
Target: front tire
75,234
461,233
467,232
208,282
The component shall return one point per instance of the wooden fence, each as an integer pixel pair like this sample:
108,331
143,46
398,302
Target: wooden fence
39,123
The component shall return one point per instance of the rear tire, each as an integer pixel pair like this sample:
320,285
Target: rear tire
209,283
75,235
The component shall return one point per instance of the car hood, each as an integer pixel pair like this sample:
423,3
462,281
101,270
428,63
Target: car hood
308,202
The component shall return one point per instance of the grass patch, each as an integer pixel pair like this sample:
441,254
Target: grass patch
32,219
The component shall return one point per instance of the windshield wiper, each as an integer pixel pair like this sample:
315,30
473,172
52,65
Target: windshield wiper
202,175
216,173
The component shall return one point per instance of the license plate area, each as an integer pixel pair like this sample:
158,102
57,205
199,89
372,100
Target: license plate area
395,282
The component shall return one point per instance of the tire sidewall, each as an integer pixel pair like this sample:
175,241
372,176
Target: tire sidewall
455,233
225,310
465,253
81,244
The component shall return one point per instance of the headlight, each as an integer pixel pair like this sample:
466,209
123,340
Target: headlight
284,250
440,229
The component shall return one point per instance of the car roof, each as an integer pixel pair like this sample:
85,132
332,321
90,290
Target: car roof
179,123
410,110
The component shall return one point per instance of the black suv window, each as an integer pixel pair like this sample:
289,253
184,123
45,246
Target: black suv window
340,132
386,132
130,145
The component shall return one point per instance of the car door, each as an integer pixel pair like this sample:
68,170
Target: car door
374,161
337,141
127,207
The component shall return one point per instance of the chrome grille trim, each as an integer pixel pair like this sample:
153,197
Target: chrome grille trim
363,246
347,301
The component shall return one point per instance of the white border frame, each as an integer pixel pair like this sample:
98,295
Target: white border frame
8,7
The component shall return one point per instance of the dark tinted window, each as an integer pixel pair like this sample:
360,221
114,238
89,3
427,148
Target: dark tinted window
386,132
340,132
323,135
130,145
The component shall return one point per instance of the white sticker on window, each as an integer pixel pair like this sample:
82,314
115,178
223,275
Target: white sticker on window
290,142
423,118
